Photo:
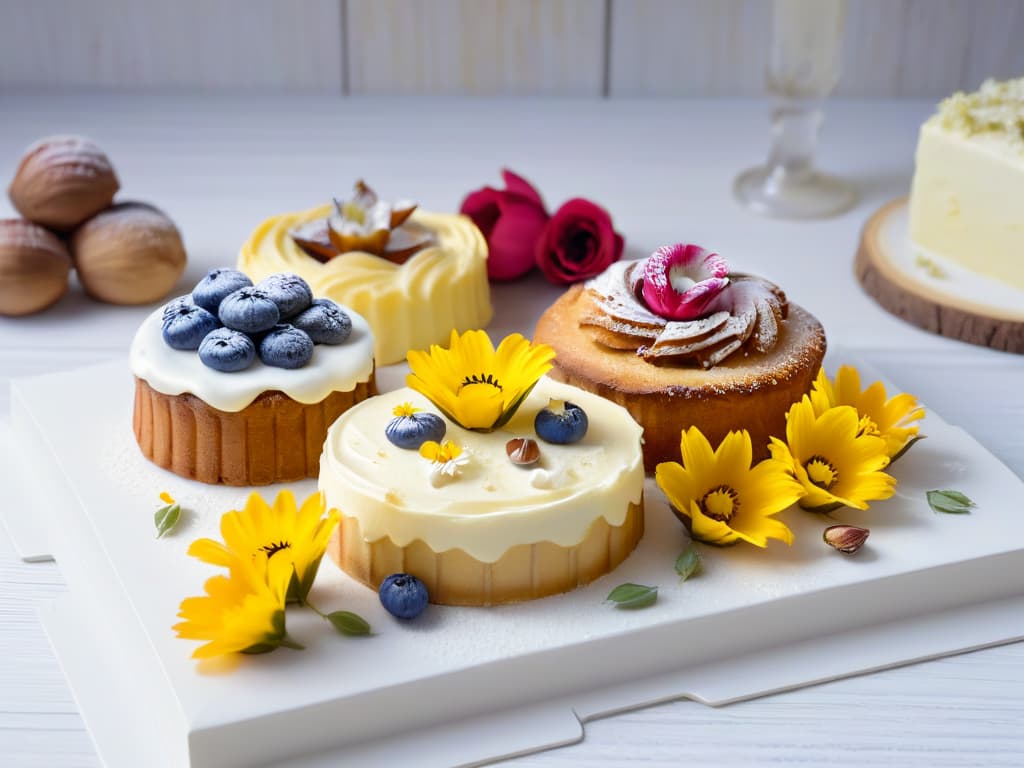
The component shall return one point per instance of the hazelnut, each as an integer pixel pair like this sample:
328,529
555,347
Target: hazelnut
522,451
130,253
62,181
34,267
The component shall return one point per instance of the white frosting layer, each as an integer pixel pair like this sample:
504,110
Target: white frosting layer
337,368
492,504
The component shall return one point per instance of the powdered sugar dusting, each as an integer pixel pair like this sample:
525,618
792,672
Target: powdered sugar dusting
746,315
139,219
74,154
20,233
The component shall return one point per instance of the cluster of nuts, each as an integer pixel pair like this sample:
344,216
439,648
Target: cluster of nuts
124,253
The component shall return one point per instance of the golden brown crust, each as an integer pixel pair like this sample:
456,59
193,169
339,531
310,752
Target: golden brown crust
274,439
524,572
751,393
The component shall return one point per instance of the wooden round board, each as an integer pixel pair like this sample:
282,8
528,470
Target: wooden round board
932,292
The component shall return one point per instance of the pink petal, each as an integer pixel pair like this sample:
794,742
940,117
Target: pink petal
517,185
482,206
708,271
715,266
513,239
558,251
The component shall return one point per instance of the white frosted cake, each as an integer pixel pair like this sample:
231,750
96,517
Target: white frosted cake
496,531
967,199
210,407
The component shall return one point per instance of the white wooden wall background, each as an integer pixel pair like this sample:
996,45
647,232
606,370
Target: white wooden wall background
492,47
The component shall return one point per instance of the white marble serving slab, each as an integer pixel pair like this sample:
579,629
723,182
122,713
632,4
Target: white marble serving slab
464,685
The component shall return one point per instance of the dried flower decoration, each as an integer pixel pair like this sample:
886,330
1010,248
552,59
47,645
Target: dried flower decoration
366,224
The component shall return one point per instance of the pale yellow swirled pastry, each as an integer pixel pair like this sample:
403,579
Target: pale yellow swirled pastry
408,306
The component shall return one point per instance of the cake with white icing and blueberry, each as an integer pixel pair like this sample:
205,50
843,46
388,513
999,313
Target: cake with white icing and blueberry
487,489
237,383
679,341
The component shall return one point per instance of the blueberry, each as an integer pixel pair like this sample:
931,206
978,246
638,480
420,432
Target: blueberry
218,283
403,595
286,347
249,310
226,350
174,305
325,322
561,423
185,324
290,292
414,430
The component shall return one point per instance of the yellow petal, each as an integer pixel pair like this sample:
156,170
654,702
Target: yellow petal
430,450
698,458
734,453
676,483
478,406
704,528
847,386
766,528
212,552
800,423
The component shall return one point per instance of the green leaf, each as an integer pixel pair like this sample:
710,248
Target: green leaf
166,518
906,447
688,563
823,509
633,596
277,622
308,579
348,623
950,502
254,650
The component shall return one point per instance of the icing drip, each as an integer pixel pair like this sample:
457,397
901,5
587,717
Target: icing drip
746,315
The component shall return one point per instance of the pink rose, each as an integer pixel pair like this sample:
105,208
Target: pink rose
680,281
511,220
578,242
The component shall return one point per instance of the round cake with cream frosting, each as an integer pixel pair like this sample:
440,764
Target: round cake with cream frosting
264,424
496,531
410,301
680,341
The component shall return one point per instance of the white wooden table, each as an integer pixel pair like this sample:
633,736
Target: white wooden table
218,165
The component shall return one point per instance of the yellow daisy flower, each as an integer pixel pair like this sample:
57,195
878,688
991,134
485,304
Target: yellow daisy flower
404,410
836,462
475,385
243,613
893,419
297,536
725,498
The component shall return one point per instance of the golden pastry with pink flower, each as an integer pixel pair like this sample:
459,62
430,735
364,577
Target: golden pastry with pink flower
680,340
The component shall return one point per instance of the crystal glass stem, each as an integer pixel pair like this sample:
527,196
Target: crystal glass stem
803,68
795,127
